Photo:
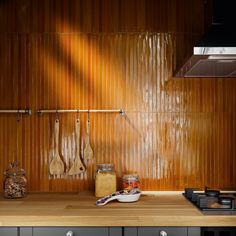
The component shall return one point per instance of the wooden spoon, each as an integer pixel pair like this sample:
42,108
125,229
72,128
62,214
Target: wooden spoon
56,166
77,166
88,151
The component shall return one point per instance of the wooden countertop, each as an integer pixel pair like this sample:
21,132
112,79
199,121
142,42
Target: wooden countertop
153,209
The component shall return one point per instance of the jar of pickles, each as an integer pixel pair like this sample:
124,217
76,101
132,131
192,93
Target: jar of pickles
105,180
15,183
131,181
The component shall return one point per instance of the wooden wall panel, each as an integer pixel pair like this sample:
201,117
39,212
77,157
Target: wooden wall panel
113,54
39,16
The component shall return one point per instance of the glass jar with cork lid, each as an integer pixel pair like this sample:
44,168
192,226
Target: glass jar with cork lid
105,180
15,183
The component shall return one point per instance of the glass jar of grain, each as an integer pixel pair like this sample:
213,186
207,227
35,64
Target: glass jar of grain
105,180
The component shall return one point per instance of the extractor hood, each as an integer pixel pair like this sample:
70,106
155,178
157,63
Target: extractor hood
215,54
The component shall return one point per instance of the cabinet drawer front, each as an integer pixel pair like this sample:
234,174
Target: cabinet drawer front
162,231
5,231
77,231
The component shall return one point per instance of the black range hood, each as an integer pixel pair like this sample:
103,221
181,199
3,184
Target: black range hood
215,54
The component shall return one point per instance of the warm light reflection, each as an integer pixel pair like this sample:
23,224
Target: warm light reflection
58,78
105,77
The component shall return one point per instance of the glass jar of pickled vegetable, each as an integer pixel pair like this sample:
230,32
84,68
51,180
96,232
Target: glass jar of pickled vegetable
105,180
131,181
15,183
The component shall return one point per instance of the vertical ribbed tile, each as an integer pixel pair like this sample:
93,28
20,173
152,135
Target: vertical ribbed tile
177,132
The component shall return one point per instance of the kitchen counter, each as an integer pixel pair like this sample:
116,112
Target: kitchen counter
153,209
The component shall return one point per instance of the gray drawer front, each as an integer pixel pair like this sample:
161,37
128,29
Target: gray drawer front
5,231
194,231
26,231
77,231
130,231
155,231
115,231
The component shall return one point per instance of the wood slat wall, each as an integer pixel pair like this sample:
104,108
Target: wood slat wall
105,55
39,16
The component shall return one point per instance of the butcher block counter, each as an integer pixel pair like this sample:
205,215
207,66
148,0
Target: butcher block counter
153,209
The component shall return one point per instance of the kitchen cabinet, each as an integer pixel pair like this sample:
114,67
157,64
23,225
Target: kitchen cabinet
26,231
162,231
70,231
221,231
194,231
130,231
8,231
100,231
115,231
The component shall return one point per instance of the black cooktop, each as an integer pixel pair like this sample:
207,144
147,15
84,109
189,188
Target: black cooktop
211,200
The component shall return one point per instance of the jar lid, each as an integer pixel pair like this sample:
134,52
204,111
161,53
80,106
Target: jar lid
131,177
14,170
105,167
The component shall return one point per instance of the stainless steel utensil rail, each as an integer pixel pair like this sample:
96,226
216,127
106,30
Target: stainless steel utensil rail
19,111
120,111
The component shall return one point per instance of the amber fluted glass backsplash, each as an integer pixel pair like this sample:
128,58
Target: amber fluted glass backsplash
177,132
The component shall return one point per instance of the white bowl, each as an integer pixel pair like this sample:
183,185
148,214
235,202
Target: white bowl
129,197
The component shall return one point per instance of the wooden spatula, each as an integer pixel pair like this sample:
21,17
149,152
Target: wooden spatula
77,166
88,151
56,166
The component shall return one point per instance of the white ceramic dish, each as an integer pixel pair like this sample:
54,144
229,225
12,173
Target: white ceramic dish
129,198
132,195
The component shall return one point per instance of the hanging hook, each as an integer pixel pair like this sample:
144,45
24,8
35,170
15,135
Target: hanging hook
77,113
57,114
88,123
18,116
122,112
28,111
88,115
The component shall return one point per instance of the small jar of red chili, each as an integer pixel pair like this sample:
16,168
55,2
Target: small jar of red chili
131,181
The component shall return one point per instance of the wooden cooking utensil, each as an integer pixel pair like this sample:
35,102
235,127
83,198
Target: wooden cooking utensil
56,166
77,166
88,151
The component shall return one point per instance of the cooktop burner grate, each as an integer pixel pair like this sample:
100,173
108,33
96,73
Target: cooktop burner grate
211,200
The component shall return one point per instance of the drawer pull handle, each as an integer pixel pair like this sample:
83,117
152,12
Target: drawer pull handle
69,233
163,233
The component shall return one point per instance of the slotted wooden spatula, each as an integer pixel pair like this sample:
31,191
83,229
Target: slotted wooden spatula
77,166
88,151
56,166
